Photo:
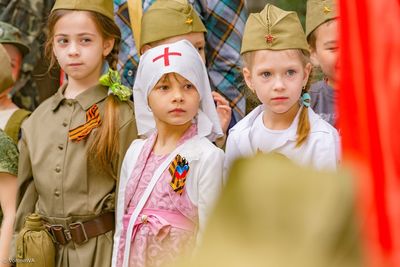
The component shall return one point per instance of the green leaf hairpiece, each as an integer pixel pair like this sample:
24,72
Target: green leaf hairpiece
113,81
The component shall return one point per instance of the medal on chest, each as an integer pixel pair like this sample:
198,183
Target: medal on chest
178,169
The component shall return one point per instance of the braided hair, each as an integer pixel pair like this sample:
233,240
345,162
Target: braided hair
104,146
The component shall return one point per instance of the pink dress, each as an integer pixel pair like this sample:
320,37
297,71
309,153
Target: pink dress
166,227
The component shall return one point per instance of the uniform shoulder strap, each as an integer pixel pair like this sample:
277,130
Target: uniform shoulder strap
13,125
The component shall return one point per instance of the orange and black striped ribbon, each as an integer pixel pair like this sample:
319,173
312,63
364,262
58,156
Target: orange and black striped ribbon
173,164
176,183
92,121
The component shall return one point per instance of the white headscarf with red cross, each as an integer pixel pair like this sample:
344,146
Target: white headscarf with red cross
182,58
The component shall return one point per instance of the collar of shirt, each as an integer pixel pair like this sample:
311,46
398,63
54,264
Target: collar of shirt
86,99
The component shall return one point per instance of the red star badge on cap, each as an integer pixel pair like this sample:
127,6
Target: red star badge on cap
269,38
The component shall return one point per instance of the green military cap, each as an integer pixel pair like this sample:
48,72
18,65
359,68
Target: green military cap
6,79
273,212
273,29
11,35
104,7
318,12
169,18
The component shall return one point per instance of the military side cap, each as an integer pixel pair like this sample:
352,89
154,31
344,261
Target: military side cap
273,29
318,12
104,7
273,212
6,79
11,35
169,18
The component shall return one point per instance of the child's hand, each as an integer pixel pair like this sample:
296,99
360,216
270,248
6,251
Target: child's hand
224,111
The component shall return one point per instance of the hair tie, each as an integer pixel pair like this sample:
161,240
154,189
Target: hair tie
113,81
305,99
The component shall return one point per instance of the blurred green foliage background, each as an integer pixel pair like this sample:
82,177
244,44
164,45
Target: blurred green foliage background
294,5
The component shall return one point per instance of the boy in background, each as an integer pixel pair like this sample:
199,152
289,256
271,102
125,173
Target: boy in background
11,116
169,21
322,37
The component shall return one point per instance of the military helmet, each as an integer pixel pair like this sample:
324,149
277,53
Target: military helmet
12,35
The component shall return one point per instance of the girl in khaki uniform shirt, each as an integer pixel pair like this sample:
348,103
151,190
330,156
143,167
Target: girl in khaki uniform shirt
73,144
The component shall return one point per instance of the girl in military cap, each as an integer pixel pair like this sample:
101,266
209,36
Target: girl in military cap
169,181
169,21
73,144
277,68
322,36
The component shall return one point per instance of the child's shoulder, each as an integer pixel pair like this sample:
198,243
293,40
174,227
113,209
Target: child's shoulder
126,112
127,106
207,145
247,122
46,104
241,131
202,147
202,151
135,145
41,111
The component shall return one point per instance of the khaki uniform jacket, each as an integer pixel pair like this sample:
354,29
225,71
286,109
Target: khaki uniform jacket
58,181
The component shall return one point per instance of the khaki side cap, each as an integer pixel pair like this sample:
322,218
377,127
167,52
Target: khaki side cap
319,12
104,7
169,18
273,29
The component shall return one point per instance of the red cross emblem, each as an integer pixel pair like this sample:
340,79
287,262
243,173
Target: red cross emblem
166,56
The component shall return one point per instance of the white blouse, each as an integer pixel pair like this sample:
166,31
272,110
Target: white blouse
321,149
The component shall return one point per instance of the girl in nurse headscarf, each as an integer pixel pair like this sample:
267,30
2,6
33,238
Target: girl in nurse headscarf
170,180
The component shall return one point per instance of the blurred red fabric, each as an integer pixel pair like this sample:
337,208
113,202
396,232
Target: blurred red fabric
369,121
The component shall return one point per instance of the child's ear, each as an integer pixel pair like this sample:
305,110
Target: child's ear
314,57
307,71
108,46
247,78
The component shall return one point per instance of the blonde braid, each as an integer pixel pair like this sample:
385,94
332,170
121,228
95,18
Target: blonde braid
304,127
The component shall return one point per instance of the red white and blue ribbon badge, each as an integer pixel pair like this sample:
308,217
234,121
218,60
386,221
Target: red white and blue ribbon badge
179,168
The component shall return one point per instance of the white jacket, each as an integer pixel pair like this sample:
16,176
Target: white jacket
321,149
203,183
